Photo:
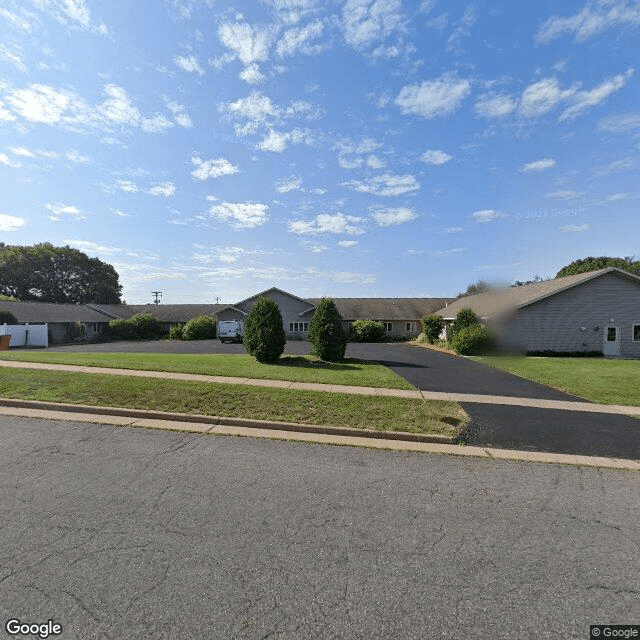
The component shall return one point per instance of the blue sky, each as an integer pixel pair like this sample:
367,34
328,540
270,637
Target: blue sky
359,148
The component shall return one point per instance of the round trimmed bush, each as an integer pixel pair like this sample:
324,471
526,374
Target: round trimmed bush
472,341
264,336
326,335
367,331
200,328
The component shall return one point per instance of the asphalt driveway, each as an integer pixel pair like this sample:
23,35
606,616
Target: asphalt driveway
502,426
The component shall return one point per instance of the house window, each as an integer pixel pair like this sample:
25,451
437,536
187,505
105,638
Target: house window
298,326
411,327
611,334
388,326
291,326
636,332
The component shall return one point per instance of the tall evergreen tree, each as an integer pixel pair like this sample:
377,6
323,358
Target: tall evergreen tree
264,336
325,332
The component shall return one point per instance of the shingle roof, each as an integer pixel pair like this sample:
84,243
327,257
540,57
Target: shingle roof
41,312
385,308
168,312
494,303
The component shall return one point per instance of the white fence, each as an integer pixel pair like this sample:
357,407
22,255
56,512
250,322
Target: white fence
26,335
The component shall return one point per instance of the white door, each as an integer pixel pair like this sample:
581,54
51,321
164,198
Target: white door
611,341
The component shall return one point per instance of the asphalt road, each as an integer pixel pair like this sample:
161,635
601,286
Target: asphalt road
501,426
129,533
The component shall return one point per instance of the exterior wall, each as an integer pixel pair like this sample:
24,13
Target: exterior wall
292,311
556,323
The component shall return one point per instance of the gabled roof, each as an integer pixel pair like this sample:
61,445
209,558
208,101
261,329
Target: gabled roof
495,303
385,308
267,291
176,312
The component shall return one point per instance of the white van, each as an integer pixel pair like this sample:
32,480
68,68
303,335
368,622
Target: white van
231,330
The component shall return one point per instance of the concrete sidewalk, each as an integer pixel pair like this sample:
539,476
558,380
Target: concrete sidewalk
296,433
565,405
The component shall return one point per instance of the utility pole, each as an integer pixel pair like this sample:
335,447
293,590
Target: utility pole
217,299
157,295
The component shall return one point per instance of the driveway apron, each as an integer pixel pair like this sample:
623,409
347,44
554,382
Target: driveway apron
508,426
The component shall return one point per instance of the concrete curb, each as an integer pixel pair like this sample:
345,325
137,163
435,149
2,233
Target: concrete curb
231,422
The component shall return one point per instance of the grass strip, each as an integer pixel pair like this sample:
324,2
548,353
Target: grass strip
598,379
351,371
308,407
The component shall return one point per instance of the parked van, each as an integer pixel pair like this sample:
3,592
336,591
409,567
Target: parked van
231,330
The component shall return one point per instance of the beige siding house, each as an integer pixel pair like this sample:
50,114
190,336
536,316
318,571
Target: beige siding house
594,311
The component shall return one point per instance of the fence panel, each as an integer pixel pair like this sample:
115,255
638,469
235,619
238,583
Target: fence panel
26,335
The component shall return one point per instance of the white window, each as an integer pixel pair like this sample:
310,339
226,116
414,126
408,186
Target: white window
411,327
299,326
291,326
636,332
388,326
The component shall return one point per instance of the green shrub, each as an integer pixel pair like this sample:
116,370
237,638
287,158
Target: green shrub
326,335
141,326
6,317
367,331
200,328
466,318
264,336
472,341
432,327
176,332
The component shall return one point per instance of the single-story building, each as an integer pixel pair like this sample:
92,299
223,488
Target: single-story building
587,312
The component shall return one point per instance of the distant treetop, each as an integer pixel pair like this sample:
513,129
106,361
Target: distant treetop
593,264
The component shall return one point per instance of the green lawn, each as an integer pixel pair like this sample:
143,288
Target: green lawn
309,407
289,368
598,379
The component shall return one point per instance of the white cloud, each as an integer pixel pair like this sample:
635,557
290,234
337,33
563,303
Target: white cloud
386,185
16,21
297,40
70,12
6,160
58,211
256,109
155,124
252,74
620,123
327,223
165,189
594,18
77,157
119,213
13,57
495,105
352,154
487,215
584,100
247,43
347,244
435,157
217,168
539,165
181,117
43,104
285,185
392,217
617,197
433,98
366,22
453,229
128,186
565,194
624,164
448,252
275,142
575,228
542,96
190,64
241,215
11,223
463,28
92,248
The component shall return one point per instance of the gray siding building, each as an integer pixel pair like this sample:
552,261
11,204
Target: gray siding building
594,311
